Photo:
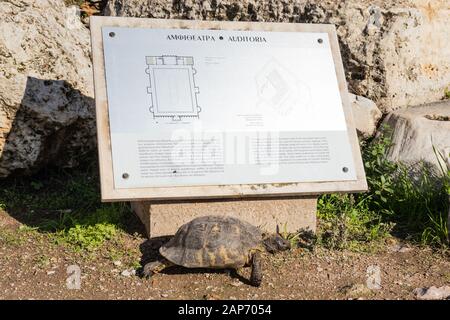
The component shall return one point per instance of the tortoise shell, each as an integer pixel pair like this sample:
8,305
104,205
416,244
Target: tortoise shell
212,242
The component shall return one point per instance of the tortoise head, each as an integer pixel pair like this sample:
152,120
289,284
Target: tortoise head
275,243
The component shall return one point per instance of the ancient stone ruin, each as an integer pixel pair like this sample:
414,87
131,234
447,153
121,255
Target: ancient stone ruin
396,56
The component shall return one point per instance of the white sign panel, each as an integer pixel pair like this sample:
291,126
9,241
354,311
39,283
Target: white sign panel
215,107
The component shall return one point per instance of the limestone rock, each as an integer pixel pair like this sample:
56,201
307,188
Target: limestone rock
396,53
46,89
365,114
416,130
433,293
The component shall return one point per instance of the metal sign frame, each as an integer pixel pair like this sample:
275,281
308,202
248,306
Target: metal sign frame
110,193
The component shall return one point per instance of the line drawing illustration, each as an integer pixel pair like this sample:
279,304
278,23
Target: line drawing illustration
278,88
172,89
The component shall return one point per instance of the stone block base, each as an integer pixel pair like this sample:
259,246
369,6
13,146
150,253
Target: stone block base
290,214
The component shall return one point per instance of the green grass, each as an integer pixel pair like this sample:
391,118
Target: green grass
8,237
304,238
411,205
446,93
17,237
66,206
347,222
42,261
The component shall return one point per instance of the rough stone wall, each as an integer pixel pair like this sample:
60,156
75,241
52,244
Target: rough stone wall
396,53
46,86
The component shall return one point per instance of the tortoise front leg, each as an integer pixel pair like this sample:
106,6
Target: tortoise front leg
154,267
256,275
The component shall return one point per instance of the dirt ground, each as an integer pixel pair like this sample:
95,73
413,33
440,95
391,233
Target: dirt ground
35,267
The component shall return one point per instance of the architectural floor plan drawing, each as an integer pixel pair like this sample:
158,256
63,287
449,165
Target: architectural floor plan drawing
278,88
172,87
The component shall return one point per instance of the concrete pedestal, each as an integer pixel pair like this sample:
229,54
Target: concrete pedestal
164,218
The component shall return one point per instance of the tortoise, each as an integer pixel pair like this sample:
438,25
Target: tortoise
220,243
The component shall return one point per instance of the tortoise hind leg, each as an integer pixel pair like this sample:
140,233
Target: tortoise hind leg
256,275
154,267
